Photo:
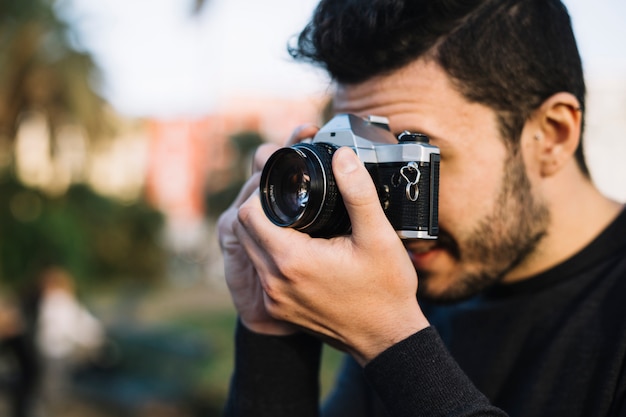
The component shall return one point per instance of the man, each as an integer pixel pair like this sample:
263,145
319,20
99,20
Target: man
520,304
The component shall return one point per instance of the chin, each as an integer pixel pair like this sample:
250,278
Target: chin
437,286
451,287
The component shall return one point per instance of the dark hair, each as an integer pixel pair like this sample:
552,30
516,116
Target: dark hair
508,54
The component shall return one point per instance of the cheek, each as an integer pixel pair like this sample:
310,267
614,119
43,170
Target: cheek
468,193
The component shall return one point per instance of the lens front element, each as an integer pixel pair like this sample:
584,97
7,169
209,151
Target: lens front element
298,190
288,186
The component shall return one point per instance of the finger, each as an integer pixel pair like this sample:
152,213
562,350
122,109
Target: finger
278,241
255,252
359,196
261,156
227,219
306,131
256,243
249,188
226,235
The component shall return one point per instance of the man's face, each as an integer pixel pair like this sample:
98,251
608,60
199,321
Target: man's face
490,219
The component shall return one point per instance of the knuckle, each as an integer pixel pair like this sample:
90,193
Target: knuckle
262,154
269,290
244,213
302,132
287,267
273,300
273,309
224,222
277,310
225,227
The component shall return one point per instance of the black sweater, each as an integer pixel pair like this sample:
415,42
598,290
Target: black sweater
552,345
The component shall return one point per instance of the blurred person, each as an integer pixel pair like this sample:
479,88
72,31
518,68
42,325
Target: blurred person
20,365
67,333
520,309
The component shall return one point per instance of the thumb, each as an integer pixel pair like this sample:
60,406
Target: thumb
359,196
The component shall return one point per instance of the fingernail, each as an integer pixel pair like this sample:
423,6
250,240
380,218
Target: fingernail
346,161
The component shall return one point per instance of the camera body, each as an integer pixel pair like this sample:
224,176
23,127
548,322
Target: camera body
298,187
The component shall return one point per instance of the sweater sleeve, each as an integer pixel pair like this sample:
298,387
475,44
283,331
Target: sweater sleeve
274,376
419,377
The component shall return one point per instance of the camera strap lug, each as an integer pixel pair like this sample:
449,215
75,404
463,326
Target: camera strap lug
412,189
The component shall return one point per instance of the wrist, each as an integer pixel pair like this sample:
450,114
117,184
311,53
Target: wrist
274,328
394,332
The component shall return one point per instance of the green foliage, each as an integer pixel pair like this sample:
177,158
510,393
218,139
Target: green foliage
95,238
246,142
42,69
219,201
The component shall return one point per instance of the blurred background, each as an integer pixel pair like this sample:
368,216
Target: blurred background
126,128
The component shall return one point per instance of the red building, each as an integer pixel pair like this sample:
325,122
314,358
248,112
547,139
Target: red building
189,157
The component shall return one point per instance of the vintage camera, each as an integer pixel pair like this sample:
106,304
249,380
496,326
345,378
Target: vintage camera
298,187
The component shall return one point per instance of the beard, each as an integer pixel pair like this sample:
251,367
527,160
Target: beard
502,240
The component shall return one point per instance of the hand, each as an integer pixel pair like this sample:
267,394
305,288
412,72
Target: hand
358,291
241,276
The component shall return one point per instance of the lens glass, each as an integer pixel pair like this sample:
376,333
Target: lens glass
295,191
289,185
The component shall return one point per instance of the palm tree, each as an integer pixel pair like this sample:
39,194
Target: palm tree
41,70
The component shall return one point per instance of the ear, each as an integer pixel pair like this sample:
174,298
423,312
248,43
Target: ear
555,129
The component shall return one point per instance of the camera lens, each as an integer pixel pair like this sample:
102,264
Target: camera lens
288,185
298,190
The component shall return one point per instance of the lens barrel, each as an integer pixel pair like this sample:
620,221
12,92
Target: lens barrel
298,190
